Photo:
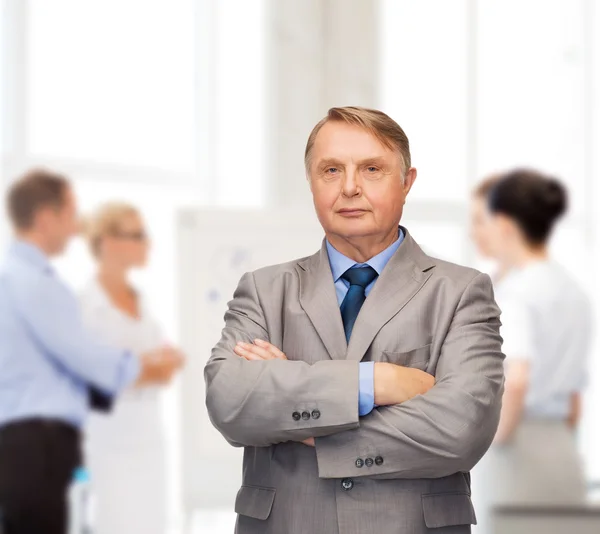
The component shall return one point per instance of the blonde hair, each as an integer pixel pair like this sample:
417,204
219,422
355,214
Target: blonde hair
384,128
105,221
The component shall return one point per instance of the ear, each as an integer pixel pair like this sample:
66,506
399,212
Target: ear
409,179
507,226
42,218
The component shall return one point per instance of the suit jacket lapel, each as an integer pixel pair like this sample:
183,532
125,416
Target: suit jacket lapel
402,278
319,301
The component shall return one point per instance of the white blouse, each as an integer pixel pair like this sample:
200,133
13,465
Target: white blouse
137,415
547,321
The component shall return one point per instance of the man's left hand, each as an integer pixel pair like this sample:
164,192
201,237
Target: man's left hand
259,350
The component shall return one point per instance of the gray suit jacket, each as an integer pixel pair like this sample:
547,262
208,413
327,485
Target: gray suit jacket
422,313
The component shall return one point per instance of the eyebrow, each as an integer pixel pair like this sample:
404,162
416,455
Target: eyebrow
329,161
380,160
333,161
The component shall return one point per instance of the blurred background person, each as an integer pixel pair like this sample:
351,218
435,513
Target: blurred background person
126,449
546,327
49,361
481,226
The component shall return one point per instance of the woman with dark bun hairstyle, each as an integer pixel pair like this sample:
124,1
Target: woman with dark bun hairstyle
480,225
546,327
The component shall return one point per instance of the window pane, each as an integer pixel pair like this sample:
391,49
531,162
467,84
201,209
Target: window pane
531,88
424,88
112,81
240,110
444,241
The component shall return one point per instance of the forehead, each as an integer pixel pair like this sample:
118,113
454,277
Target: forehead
130,220
345,141
479,202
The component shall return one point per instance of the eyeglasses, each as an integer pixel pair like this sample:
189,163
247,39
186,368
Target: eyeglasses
132,236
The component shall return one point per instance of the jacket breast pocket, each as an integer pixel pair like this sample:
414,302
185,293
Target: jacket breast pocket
448,510
416,358
255,502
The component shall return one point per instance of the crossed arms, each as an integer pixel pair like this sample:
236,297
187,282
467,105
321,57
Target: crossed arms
445,430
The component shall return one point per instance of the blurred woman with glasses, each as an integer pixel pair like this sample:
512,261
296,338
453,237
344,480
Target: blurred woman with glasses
546,328
125,448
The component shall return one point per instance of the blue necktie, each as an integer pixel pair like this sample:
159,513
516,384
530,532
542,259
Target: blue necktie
358,279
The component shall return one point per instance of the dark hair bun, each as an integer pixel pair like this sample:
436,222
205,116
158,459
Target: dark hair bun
553,198
533,200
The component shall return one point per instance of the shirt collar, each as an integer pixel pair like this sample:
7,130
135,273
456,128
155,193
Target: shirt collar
31,254
340,264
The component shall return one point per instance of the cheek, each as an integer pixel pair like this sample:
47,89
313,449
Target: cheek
487,229
384,198
139,251
135,250
121,249
495,236
325,196
476,227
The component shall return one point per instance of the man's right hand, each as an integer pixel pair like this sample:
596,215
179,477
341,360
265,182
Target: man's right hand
395,384
159,366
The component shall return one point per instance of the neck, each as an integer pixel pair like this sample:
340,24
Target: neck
502,270
525,255
362,249
37,240
113,277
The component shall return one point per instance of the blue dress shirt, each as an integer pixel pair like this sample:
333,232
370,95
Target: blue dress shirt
339,265
47,358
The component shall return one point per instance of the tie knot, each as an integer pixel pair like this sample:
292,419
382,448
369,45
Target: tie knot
360,276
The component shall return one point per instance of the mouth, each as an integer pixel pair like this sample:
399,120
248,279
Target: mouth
351,212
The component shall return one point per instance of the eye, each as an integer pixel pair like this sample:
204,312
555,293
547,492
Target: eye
371,168
330,170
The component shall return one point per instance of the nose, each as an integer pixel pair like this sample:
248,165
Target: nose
350,185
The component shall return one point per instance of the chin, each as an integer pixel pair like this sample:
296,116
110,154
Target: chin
354,228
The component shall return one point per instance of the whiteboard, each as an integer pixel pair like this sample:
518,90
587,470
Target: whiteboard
215,248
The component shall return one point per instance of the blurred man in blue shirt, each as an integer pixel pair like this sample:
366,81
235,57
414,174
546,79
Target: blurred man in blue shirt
49,364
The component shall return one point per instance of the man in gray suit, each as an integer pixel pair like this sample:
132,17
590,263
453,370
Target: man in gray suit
325,369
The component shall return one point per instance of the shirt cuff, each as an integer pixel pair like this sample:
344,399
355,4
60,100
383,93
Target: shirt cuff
366,388
129,371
